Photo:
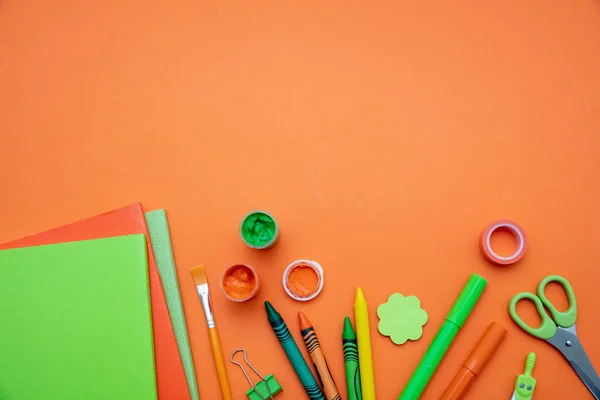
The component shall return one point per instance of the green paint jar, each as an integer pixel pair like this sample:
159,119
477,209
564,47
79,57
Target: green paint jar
259,230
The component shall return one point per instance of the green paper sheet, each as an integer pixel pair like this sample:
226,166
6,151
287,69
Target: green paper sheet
158,226
75,321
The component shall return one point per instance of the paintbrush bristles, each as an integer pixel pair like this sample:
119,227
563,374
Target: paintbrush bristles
199,275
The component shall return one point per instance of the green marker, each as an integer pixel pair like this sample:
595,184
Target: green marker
525,383
293,354
437,349
351,361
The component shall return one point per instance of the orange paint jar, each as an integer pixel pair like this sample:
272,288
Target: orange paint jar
240,282
303,280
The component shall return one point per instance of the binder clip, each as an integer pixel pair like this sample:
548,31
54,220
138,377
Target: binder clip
266,389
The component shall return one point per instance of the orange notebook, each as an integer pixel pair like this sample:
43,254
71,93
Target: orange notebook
170,376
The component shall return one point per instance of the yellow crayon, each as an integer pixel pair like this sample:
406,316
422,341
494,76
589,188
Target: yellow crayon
365,355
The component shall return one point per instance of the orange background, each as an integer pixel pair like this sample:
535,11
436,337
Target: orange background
382,135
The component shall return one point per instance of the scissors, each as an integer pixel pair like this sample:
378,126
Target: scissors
558,329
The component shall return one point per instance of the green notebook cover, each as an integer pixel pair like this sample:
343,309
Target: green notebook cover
158,226
75,321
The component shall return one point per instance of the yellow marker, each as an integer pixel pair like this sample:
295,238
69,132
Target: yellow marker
365,355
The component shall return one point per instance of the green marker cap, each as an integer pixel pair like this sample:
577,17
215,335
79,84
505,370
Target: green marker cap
466,300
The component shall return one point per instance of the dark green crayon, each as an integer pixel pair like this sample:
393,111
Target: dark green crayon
351,361
293,354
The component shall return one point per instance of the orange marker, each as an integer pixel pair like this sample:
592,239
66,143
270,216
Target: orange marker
474,364
318,358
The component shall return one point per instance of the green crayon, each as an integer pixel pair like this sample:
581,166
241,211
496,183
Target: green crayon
351,361
293,354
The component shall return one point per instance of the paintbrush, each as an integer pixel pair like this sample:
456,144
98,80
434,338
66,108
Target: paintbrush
215,343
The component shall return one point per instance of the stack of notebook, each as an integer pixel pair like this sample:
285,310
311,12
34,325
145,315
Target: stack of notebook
91,310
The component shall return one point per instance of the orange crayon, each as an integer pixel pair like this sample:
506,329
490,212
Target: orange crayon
318,358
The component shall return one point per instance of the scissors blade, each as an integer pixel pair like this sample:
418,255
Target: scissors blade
567,342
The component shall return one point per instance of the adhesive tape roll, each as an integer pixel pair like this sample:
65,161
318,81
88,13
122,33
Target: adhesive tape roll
491,255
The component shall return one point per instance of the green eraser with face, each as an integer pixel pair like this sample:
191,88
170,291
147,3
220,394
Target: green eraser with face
525,384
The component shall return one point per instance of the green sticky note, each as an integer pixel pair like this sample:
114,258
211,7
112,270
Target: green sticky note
401,318
158,226
76,322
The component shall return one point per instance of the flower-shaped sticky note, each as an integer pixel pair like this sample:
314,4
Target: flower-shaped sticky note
401,318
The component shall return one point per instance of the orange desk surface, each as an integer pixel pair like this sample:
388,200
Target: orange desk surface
383,136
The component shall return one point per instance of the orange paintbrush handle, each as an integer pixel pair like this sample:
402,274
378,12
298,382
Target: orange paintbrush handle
215,344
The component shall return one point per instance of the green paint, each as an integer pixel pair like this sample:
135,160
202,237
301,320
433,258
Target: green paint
259,230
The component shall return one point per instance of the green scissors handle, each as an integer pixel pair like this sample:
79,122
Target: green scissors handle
547,328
